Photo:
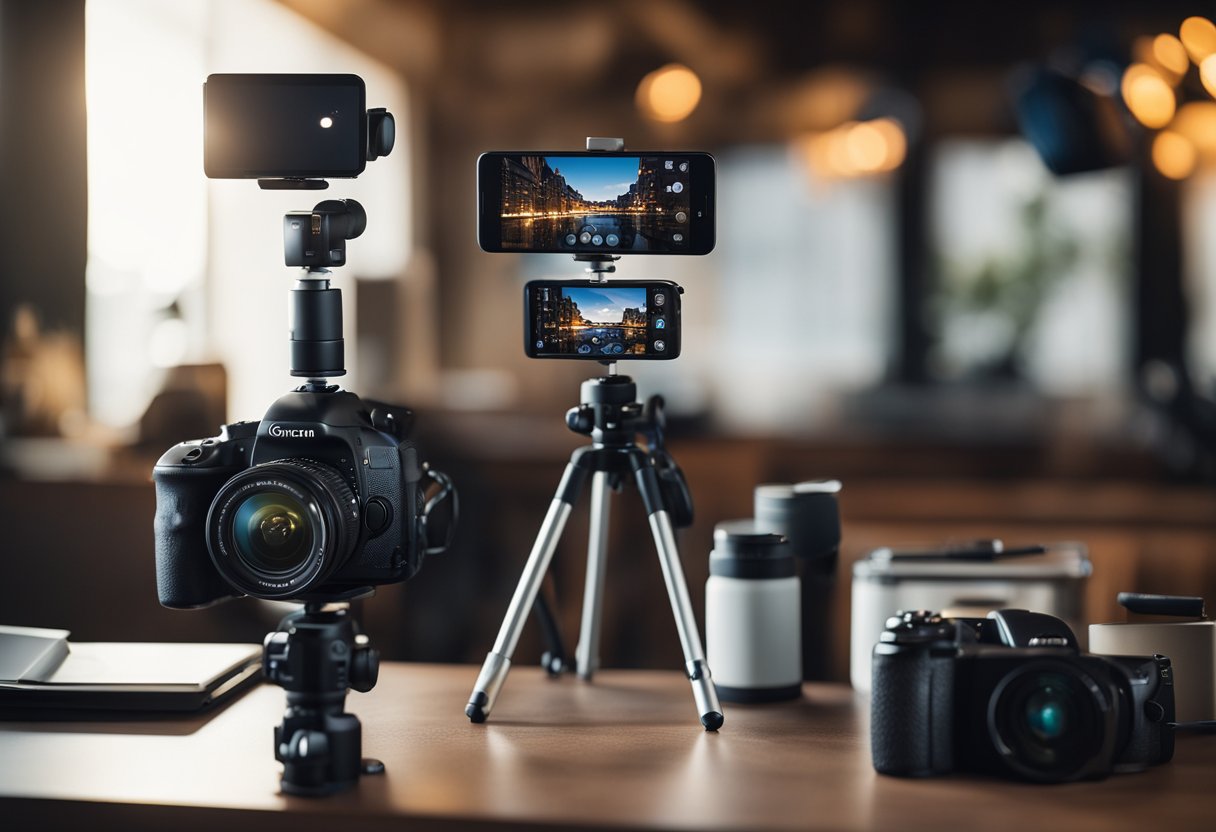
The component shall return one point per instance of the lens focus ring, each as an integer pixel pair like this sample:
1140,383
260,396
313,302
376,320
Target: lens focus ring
281,528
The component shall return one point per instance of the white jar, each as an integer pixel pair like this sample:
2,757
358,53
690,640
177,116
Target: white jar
753,621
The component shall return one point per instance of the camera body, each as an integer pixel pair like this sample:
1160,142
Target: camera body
320,500
1012,695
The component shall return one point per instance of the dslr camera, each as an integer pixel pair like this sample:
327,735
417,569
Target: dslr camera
326,496
320,500
1012,695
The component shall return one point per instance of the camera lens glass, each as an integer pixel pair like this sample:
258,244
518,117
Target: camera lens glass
1048,721
1048,713
280,529
273,532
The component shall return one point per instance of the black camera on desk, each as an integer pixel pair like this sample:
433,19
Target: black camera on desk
319,500
1012,695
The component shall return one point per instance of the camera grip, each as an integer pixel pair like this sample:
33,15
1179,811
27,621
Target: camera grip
185,576
912,711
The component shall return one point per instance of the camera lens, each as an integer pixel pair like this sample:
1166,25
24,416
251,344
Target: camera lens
280,529
1048,713
1047,721
273,532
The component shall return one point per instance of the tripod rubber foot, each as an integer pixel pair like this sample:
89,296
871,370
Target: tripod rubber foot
476,710
712,720
553,664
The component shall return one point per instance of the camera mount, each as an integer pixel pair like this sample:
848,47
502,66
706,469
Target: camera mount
316,241
610,414
316,655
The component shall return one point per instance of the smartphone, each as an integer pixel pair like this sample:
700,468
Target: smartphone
284,126
595,202
613,321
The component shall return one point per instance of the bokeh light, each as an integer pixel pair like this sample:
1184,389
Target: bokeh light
856,148
1173,155
669,94
1198,35
1207,74
1149,97
1170,55
1196,122
866,147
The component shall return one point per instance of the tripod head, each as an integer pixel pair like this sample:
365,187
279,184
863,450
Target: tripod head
611,415
316,657
609,411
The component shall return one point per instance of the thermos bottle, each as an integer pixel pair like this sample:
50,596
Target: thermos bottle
752,615
808,515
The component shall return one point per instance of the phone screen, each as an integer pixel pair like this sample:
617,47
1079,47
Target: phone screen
602,321
607,203
284,126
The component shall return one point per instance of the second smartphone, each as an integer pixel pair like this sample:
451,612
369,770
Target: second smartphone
614,321
594,202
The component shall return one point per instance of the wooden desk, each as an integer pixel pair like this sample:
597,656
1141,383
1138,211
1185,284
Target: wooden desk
624,752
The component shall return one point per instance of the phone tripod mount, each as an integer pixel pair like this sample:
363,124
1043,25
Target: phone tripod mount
316,657
610,414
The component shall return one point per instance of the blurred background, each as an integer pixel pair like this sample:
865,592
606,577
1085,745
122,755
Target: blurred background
966,264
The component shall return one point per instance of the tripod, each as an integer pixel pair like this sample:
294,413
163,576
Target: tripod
316,657
611,415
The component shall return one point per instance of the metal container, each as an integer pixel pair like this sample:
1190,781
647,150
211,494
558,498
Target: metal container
885,582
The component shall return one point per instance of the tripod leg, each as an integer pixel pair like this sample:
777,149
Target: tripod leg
587,654
498,661
703,690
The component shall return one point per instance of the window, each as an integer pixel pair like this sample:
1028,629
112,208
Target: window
1032,270
799,291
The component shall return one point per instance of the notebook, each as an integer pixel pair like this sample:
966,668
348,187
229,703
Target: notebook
118,676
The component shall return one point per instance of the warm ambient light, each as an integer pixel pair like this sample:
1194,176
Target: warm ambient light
1196,122
1170,55
856,148
866,147
1198,35
1207,74
1148,96
669,94
896,142
1173,155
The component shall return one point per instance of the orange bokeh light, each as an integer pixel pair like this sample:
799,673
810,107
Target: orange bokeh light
1173,155
1169,54
856,148
669,94
1149,97
1198,35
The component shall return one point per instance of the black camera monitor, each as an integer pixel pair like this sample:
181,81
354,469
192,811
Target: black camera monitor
596,202
286,127
623,319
